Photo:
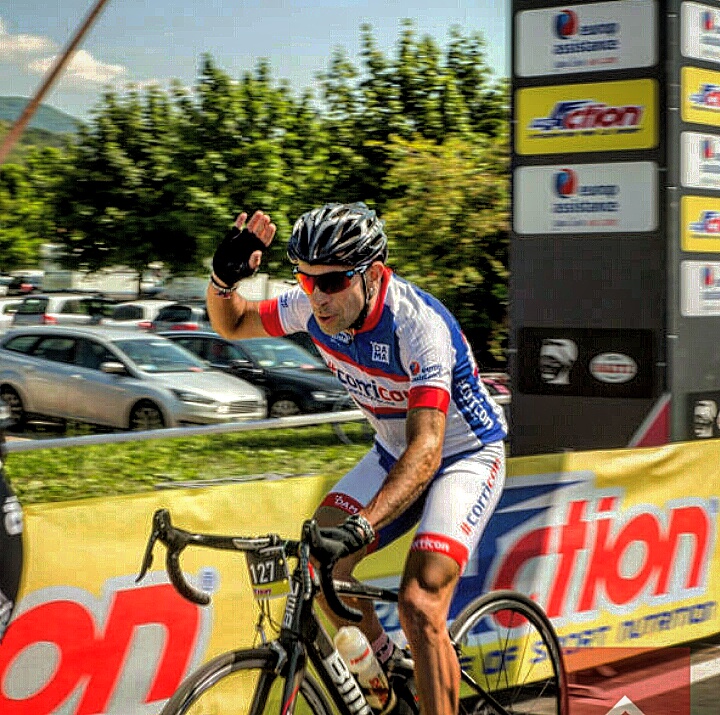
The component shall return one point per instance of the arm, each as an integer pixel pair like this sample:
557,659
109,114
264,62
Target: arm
417,465
234,316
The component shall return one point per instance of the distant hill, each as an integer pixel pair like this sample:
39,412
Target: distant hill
46,118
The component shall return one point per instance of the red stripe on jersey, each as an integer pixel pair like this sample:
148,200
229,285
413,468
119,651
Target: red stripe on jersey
270,316
382,410
374,318
343,502
341,358
440,544
429,397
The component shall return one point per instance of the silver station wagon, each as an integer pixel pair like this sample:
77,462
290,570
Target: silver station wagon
117,378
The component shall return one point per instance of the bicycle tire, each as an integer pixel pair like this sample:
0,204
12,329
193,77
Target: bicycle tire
226,685
508,646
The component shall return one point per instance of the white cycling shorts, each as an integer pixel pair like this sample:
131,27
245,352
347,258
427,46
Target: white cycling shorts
451,513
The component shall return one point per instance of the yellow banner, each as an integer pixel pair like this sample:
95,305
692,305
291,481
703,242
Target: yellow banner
598,116
700,96
700,224
618,547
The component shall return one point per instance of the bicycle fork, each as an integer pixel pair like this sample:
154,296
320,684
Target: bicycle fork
301,626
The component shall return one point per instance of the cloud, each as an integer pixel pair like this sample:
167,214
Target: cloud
16,48
32,52
82,68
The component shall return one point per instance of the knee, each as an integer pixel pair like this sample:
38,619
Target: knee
422,611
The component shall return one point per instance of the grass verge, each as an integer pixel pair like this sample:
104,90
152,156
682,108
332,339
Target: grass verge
54,474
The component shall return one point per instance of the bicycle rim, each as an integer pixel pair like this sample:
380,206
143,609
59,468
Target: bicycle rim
507,647
242,683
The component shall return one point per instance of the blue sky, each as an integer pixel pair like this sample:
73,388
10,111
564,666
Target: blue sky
145,41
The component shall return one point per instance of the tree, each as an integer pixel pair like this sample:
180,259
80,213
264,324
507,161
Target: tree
448,230
27,218
127,200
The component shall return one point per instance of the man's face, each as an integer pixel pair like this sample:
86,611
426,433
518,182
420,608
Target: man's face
335,312
703,418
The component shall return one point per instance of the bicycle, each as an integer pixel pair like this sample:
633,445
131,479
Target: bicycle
510,658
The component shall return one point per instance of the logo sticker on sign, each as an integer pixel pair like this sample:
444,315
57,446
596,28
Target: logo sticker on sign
603,116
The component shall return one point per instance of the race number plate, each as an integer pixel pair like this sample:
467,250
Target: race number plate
269,573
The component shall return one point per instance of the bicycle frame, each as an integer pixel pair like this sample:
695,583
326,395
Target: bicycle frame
303,639
302,634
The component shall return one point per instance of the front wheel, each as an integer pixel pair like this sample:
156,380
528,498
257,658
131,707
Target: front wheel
17,409
146,416
508,649
243,683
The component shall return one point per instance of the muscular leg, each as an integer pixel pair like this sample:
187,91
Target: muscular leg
426,590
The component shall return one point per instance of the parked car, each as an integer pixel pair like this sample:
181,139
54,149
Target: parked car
8,306
295,381
126,379
182,316
24,283
134,314
62,309
5,281
304,340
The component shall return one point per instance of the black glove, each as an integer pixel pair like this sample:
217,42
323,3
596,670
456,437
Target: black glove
231,260
336,542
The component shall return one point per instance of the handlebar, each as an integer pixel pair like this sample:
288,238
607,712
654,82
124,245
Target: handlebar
310,544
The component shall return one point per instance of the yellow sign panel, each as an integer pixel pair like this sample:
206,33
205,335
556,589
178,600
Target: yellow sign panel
598,116
700,93
618,547
700,224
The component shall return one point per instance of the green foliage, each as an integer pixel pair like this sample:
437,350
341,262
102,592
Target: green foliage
27,218
49,475
448,230
422,135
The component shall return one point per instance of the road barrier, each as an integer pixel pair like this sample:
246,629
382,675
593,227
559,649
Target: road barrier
226,427
619,548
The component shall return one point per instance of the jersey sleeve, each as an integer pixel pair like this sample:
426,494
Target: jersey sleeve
286,314
427,356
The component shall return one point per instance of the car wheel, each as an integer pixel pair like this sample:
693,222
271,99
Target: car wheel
17,409
284,407
146,416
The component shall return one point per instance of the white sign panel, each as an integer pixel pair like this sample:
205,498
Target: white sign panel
587,38
699,288
700,31
586,198
700,160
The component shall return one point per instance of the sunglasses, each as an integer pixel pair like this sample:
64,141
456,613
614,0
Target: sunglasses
329,283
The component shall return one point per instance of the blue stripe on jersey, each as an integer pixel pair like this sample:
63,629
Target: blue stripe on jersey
468,394
362,349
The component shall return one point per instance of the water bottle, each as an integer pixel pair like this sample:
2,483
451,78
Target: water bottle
357,653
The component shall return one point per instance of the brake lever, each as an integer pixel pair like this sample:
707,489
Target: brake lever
161,520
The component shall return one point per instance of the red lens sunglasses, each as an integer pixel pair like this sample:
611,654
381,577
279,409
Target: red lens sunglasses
329,283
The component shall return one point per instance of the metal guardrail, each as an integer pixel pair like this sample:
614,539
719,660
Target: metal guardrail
225,427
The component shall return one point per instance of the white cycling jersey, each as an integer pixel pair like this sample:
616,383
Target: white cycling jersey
410,353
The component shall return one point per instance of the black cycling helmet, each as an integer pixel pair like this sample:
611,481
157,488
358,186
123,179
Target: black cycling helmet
338,234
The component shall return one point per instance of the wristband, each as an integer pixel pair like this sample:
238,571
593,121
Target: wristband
364,526
221,290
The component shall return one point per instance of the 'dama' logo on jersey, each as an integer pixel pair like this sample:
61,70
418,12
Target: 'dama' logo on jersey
566,24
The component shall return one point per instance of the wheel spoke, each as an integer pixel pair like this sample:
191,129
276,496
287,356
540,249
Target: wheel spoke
511,651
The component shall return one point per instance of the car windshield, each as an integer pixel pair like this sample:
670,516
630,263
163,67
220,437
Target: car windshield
280,353
154,355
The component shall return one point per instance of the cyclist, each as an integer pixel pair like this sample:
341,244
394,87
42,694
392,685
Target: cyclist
11,524
438,457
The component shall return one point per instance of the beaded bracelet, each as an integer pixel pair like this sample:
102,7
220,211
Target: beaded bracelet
221,290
